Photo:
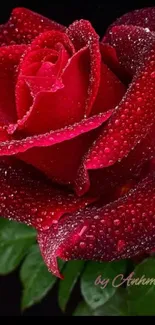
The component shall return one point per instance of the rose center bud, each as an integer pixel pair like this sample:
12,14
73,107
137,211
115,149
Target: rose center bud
52,85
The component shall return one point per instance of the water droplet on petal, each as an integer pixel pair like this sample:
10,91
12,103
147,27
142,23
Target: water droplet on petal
120,245
82,244
153,74
107,150
117,222
96,217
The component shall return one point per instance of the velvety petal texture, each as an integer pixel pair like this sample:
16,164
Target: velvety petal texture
28,197
121,229
43,140
53,107
131,121
9,60
132,45
77,134
143,17
111,91
24,25
82,34
57,153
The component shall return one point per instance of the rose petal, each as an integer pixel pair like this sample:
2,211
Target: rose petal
28,197
45,47
120,230
53,137
144,18
123,172
130,123
9,60
55,156
109,57
132,45
40,86
110,92
53,40
82,34
24,25
122,176
29,67
54,107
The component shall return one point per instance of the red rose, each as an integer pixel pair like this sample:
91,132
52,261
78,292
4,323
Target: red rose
77,129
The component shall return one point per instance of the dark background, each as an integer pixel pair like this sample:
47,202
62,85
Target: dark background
101,14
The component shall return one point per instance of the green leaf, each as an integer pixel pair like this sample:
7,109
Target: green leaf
96,294
115,306
141,289
83,310
35,277
71,273
15,240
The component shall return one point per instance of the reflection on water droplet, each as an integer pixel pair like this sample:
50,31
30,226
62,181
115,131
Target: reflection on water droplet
117,222
107,150
153,75
82,244
96,217
45,227
54,222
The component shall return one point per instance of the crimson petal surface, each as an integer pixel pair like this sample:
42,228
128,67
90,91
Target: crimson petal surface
132,45
28,197
143,17
52,153
120,230
131,121
9,60
82,34
24,25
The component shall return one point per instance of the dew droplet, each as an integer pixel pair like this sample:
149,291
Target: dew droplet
96,217
107,150
120,245
103,221
117,122
153,75
55,222
91,237
82,244
45,227
117,222
116,143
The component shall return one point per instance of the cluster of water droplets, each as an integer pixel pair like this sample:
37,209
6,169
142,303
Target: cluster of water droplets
26,198
121,229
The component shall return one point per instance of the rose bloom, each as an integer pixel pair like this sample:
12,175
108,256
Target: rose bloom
77,134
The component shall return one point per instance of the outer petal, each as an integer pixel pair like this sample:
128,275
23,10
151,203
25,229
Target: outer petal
122,229
24,25
132,44
55,158
130,123
29,198
9,60
82,34
144,18
119,178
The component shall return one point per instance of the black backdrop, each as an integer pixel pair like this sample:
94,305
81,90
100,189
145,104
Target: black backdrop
100,14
